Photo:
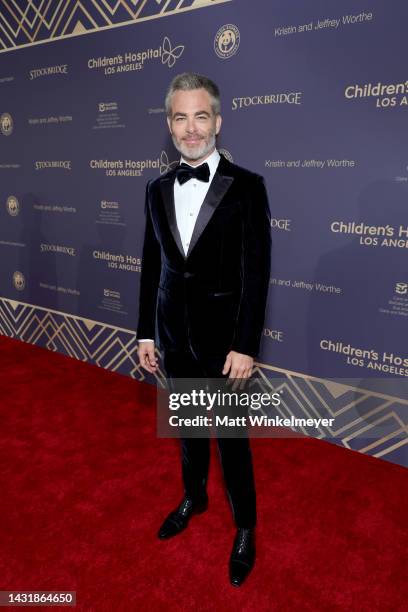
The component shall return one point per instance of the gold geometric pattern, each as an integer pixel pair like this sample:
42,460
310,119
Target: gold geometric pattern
366,421
27,22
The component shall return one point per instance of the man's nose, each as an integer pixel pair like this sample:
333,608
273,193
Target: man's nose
190,124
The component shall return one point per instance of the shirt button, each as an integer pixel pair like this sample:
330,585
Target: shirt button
191,214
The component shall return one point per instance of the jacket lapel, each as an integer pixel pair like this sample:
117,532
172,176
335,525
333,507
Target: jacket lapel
167,191
218,188
216,192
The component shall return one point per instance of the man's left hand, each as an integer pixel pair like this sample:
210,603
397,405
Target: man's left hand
238,365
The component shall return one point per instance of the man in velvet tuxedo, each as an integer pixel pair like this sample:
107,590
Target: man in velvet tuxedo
204,285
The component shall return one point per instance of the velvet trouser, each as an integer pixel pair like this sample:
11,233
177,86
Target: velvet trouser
235,453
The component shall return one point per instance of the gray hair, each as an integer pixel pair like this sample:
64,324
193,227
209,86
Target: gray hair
191,80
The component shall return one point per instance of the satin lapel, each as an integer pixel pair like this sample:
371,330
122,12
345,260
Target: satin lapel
216,192
167,191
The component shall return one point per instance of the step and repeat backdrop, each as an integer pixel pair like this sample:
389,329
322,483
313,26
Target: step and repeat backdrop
314,98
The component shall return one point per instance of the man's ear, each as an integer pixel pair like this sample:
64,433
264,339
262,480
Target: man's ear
218,121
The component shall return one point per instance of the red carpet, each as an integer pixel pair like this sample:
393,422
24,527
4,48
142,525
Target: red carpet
85,484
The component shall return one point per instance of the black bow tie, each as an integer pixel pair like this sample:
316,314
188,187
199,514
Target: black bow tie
184,173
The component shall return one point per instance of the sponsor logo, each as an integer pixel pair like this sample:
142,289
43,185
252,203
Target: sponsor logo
18,280
373,235
57,248
51,120
324,24
49,70
133,167
318,164
397,304
57,208
305,285
108,116
111,293
275,98
135,60
401,288
112,301
369,358
119,261
156,111
226,41
13,206
170,54
165,163
274,334
385,95
6,124
109,213
107,106
281,224
59,289
112,205
57,163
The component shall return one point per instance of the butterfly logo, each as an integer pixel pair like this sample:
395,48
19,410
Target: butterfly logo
165,164
170,55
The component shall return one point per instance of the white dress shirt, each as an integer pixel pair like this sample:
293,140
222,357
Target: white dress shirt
188,199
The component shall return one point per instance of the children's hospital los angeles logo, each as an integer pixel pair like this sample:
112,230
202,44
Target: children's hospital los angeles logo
167,53
226,41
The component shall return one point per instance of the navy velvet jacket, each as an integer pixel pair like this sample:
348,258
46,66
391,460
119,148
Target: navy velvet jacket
212,300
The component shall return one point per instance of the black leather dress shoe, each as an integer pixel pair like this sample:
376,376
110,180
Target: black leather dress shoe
178,520
242,556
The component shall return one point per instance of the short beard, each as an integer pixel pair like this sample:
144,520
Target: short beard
202,151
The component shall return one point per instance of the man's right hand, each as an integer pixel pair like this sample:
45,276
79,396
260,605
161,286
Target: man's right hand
147,356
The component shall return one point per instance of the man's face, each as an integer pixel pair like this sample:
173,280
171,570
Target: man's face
193,125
